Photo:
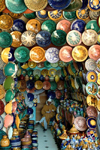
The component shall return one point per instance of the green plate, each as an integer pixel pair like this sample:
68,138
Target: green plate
53,85
30,15
69,15
5,39
9,95
8,83
54,64
47,64
21,54
92,88
58,37
92,25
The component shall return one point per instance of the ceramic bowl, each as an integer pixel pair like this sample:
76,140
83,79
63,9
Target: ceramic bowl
42,15
55,15
92,88
94,52
69,15
83,13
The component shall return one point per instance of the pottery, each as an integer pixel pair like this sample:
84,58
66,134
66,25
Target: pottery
93,5
69,15
55,15
80,123
26,141
94,52
52,72
42,15
2,5
16,37
46,85
5,39
60,85
8,108
91,111
92,25
8,83
30,15
90,64
15,132
91,100
91,76
73,130
1,107
83,13
63,136
5,141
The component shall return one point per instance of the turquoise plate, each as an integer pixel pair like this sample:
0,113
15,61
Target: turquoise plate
5,39
92,88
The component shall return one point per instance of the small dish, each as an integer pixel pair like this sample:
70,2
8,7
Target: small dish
92,88
8,83
15,16
91,76
2,5
58,37
94,15
91,111
16,37
94,52
53,85
80,123
61,64
91,100
83,13
30,15
42,15
52,72
91,122
52,55
55,15
37,72
31,64
94,5
5,39
54,64
90,64
44,72
38,85
46,85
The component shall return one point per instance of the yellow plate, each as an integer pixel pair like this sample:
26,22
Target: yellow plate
31,64
80,53
16,36
2,92
91,100
44,72
38,85
52,72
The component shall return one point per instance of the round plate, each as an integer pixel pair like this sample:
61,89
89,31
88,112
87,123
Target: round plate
37,72
79,53
10,132
18,25
36,5
63,25
89,37
94,52
21,54
98,65
59,4
28,38
58,72
46,85
1,122
69,15
65,54
93,15
90,64
74,5
54,64
8,83
44,72
52,72
91,100
74,38
6,22
92,88
15,16
2,92
52,55
43,38
42,15
9,95
2,5
1,107
2,77
40,65
38,85
37,54
58,37
83,13
49,25
30,15
92,25
91,76
16,6
94,5
53,85
5,39
33,25
61,64
31,64
55,15
80,123
47,64
91,111
91,122
16,37
79,25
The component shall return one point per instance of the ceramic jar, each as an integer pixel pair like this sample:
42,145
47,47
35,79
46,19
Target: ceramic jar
5,141
15,132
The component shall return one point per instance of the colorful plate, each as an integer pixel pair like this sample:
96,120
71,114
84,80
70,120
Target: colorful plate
9,95
79,53
90,64
16,37
31,64
8,83
37,54
5,39
94,5
44,72
91,123
65,54
37,72
54,64
92,25
91,111
46,85
2,5
91,76
55,15
2,92
42,15
52,72
80,123
69,15
83,13
94,52
38,85
92,88
91,100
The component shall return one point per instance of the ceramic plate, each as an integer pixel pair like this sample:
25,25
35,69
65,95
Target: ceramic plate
91,111
2,92
59,4
44,72
58,72
37,72
42,15
52,72
91,122
40,65
92,25
38,85
79,53
2,5
47,64
92,88
83,13
8,83
90,64
46,85
94,52
94,5
54,64
69,15
55,15
5,39
93,15
61,64
91,76
91,100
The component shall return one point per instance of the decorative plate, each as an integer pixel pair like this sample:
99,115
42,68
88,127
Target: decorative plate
91,100
55,15
80,123
89,37
91,111
8,108
37,54
58,37
43,38
93,15
1,107
2,5
74,38
91,122
58,72
83,13
94,5
61,64
94,52
54,64
44,72
98,65
2,77
49,25
74,5
1,122
28,38
42,15
2,92
79,53
52,72
36,5
6,22
5,39
91,76
19,25
90,64
79,25
21,54
47,64
46,85
63,25
69,15
16,37
15,16
31,64
30,15
8,83
9,95
37,72
52,55
60,85
92,25
65,54
53,85
33,25
92,88
16,6
38,85
40,65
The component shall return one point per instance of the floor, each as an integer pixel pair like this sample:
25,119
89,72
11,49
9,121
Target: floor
45,140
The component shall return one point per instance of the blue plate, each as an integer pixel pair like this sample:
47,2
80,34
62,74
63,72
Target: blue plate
19,25
51,94
30,84
2,77
91,122
43,38
30,96
16,6
42,14
78,25
84,4
59,4
1,122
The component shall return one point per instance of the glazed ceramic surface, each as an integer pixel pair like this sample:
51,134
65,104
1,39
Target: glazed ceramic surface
80,123
2,5
91,76
90,64
5,39
55,15
92,25
83,13
42,15
94,52
92,88
91,100
16,37
91,111
59,4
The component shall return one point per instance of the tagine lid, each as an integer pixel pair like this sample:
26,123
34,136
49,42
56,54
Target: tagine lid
73,130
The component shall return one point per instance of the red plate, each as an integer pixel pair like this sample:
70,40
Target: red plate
46,85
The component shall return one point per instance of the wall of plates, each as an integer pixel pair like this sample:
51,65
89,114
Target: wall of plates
51,46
